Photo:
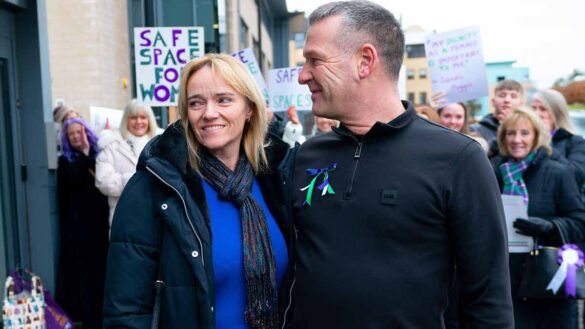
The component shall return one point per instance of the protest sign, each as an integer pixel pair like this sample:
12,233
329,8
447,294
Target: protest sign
99,117
456,64
246,56
285,90
514,208
160,55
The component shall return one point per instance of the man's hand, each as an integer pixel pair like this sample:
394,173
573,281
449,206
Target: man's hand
535,227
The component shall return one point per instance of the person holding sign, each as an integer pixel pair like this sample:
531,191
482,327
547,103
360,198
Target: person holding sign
386,204
210,174
552,108
525,168
454,116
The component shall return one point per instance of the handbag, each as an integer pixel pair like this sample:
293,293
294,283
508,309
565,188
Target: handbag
55,316
554,273
24,309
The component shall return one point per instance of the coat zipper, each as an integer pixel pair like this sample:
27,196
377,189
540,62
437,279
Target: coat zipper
292,285
185,208
356,157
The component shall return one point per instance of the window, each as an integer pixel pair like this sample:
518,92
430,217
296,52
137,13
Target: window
409,74
411,97
422,97
422,73
415,51
243,35
299,40
256,49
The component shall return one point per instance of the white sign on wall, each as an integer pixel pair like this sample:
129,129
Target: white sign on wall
285,90
160,55
456,64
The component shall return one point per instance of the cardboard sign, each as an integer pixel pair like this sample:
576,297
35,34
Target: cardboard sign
160,55
246,56
285,90
456,64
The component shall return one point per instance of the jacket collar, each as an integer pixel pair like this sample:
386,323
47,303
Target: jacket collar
561,134
381,128
490,121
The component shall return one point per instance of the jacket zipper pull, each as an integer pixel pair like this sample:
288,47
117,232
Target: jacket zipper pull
358,151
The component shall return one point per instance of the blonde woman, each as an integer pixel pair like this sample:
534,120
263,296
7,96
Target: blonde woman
204,213
119,150
548,188
552,108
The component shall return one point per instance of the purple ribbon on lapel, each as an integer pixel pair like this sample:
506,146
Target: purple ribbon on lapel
325,185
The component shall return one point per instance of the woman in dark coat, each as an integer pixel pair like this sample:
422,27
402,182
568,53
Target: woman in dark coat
569,148
204,214
525,168
83,218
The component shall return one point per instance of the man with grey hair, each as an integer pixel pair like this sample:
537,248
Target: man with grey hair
388,203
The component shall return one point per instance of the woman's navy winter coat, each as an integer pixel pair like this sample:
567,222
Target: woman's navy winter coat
553,195
161,230
570,150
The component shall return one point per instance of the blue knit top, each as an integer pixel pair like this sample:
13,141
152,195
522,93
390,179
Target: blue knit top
228,261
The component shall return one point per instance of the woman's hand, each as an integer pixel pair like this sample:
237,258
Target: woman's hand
438,99
84,142
535,227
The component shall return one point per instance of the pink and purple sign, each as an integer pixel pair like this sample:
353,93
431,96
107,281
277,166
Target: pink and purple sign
160,55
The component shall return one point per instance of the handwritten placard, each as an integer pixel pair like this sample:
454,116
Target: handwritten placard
285,90
160,55
456,64
246,56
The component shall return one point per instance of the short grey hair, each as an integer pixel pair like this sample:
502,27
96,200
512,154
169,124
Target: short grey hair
373,24
133,108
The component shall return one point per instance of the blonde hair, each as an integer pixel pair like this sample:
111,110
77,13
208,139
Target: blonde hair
133,108
556,105
541,133
237,77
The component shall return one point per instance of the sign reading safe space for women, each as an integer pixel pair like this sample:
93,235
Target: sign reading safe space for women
160,55
456,64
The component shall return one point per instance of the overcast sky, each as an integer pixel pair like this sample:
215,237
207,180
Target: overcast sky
547,36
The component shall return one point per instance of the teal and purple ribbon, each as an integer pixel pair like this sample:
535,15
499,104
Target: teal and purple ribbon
570,258
324,187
